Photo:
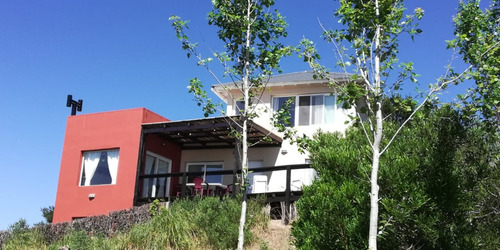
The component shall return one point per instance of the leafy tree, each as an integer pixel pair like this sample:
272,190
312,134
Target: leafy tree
48,213
250,32
431,176
478,41
372,29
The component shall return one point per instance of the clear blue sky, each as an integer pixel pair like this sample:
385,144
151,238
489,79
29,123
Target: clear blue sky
122,54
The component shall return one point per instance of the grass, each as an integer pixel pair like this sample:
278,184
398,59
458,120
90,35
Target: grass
208,223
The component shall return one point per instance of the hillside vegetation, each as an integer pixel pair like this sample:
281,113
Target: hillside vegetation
208,223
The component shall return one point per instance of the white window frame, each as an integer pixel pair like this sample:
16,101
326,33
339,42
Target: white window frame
115,168
188,164
297,108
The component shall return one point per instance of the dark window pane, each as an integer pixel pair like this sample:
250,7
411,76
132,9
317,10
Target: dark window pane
101,175
280,104
240,106
304,110
195,168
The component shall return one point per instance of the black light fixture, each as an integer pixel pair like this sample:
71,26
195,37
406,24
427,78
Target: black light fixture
75,106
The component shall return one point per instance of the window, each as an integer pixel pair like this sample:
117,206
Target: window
206,167
156,186
280,103
312,110
240,106
99,167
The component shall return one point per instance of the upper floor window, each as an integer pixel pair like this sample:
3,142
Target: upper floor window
311,109
99,167
280,103
240,107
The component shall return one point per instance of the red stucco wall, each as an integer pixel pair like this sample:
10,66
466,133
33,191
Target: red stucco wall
108,130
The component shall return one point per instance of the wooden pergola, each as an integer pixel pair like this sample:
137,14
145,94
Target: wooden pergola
218,132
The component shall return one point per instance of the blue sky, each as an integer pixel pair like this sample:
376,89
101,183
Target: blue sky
122,54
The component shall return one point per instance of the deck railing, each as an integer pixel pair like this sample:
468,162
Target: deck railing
183,176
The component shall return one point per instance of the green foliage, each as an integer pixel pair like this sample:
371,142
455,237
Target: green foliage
22,235
360,21
334,210
48,213
171,228
477,38
432,193
209,223
250,31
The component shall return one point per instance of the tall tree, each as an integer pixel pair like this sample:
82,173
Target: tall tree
372,29
250,32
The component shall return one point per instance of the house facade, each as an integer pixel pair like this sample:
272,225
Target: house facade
116,160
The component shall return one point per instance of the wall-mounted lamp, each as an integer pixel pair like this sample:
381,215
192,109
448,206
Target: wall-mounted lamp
91,196
284,152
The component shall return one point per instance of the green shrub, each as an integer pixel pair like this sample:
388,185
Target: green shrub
333,212
4,236
22,236
188,224
431,179
171,228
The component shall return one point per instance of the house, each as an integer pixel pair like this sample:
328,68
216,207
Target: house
119,159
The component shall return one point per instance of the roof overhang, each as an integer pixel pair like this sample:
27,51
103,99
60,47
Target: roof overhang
209,133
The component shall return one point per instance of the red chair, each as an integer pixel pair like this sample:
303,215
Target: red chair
198,187
229,189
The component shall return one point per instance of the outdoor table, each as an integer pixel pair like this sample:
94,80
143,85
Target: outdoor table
215,188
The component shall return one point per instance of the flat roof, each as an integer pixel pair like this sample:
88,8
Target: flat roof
216,132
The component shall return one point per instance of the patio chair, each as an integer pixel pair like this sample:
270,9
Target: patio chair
229,189
198,187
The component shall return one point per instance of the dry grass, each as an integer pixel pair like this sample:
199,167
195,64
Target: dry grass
275,236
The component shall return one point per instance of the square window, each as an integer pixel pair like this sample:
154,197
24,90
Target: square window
99,167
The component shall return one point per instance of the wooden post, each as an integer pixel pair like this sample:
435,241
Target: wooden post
183,188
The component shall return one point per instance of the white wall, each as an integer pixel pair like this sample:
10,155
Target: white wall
293,156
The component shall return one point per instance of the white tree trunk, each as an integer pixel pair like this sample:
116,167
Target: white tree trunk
373,231
377,138
241,236
244,146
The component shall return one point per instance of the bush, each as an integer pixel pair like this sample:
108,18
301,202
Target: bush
4,237
333,212
22,235
431,179
171,228
185,225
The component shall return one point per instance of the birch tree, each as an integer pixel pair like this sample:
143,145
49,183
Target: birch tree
372,29
250,31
